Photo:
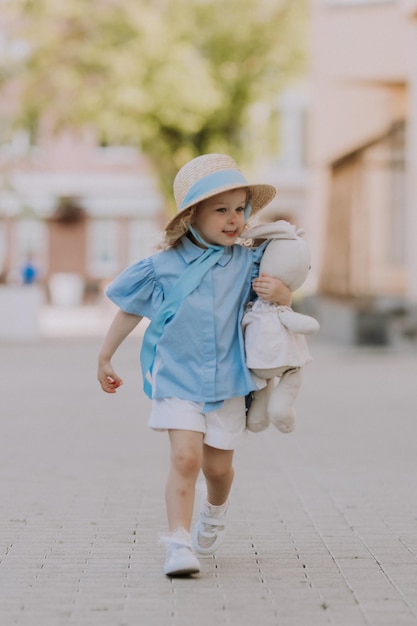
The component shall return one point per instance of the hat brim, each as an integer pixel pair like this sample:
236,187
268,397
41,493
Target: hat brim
260,196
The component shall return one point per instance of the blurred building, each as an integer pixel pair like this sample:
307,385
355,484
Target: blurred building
363,154
70,209
76,208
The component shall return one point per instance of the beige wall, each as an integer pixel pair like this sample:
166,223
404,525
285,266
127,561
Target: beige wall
361,63
363,78
367,42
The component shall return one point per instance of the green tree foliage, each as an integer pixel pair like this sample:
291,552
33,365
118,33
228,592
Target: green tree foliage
175,77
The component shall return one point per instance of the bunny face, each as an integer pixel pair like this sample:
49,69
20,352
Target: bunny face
286,256
288,260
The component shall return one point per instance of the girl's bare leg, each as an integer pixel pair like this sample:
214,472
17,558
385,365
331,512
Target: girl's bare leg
219,473
210,530
186,460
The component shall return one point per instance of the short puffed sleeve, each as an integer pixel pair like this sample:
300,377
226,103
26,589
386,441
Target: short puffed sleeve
137,290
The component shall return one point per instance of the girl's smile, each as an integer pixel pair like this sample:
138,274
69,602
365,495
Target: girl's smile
220,219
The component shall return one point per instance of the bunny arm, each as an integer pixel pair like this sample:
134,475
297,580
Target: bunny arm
297,322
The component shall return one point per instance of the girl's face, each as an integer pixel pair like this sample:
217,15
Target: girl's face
220,219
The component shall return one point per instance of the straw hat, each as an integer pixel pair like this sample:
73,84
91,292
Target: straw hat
211,174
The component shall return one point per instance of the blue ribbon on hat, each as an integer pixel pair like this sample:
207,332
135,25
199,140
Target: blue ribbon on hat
211,182
188,281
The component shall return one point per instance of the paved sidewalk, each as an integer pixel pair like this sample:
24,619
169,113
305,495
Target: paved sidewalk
323,523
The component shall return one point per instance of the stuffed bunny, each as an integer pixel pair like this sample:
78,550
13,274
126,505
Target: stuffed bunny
275,341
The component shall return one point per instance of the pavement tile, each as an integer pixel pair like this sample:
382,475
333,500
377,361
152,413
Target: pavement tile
322,526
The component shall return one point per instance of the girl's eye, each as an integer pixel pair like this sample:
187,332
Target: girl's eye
221,210
241,209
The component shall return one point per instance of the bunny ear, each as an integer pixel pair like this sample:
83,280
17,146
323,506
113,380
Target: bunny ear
275,230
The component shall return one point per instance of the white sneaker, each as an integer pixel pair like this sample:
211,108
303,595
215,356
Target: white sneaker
210,530
180,561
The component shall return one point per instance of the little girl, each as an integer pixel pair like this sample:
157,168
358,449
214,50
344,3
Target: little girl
192,358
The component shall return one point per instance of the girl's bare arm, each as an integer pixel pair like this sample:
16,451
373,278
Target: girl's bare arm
122,325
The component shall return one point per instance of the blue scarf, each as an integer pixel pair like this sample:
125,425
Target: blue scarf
187,282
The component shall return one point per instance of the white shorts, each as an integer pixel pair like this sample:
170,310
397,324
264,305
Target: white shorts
222,429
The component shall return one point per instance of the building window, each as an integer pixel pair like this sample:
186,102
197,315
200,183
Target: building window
103,243
293,115
143,237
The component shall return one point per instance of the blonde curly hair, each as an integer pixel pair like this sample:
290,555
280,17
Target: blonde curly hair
173,233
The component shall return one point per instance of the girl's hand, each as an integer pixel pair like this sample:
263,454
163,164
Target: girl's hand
272,290
107,377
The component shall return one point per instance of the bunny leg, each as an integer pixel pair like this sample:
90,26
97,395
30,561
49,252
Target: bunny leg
281,403
257,418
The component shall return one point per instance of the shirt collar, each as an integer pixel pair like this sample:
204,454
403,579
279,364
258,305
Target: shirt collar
190,251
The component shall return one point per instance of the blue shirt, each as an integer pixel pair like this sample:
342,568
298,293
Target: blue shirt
200,356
